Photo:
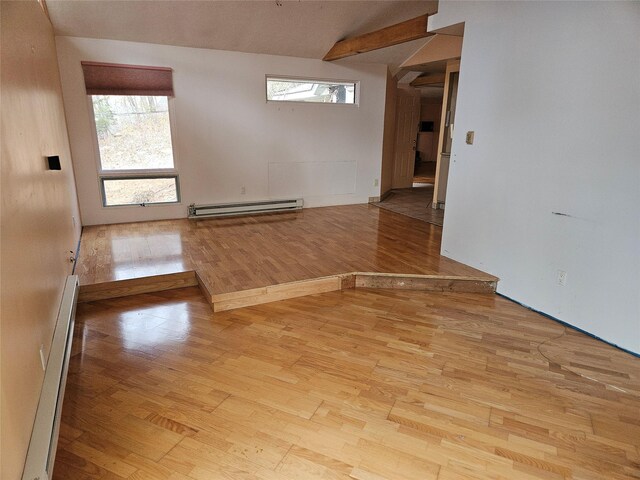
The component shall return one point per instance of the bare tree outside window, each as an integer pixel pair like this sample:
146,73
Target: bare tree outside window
134,135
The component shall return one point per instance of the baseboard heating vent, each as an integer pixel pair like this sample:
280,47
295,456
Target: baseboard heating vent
44,437
245,208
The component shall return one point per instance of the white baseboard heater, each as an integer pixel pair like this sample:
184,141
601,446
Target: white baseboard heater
244,208
44,437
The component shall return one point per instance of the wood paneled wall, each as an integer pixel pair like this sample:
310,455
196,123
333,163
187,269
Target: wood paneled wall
37,230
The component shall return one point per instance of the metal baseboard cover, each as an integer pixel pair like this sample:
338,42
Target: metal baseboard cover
44,437
244,208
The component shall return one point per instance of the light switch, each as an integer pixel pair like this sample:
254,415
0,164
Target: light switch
470,135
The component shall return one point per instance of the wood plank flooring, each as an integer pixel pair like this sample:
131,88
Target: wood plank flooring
234,254
413,202
359,384
425,172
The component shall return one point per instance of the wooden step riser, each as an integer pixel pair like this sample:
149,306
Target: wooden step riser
274,293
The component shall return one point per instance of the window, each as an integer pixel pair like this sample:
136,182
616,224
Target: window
135,149
310,90
130,105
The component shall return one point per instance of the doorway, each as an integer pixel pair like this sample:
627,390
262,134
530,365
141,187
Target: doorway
417,126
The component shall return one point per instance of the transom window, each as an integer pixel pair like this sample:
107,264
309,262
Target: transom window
281,89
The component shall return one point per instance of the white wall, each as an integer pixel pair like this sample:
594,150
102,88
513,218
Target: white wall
228,136
552,91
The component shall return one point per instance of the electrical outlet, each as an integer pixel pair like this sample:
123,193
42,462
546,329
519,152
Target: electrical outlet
376,182
562,278
43,360
243,190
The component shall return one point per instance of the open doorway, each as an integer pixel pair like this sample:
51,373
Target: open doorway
417,129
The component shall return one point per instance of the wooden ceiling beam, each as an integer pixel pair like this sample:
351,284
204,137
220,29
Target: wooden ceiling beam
402,32
425,80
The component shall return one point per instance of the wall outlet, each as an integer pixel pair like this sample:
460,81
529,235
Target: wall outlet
376,182
562,278
43,360
243,190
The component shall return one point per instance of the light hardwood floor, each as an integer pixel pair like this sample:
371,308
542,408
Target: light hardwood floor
235,254
413,202
360,384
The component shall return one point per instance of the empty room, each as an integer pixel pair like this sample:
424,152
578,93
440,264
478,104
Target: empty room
308,239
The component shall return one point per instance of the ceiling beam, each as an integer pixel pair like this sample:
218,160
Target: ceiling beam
402,32
423,81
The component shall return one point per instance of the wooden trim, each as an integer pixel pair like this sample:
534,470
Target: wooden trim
424,80
429,283
135,286
482,278
426,283
204,289
386,194
273,293
452,66
402,32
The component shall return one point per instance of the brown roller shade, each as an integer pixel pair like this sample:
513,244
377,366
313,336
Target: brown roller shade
116,79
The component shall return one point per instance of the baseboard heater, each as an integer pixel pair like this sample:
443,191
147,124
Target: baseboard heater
44,437
244,208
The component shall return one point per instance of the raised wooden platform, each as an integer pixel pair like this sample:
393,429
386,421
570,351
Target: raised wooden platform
251,260
273,293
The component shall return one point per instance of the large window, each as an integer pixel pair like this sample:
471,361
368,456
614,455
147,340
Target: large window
310,90
135,149
131,113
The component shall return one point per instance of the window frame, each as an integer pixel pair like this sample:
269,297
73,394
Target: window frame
138,177
136,174
286,78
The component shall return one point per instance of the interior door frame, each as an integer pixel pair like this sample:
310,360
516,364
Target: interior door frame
453,66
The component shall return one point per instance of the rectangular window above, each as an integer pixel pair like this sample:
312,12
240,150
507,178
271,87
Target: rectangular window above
281,89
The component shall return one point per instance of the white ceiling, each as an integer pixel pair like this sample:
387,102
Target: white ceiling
306,28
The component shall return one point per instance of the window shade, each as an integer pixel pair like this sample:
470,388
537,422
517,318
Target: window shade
116,79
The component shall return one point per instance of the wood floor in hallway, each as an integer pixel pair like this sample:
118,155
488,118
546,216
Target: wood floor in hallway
359,384
233,254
